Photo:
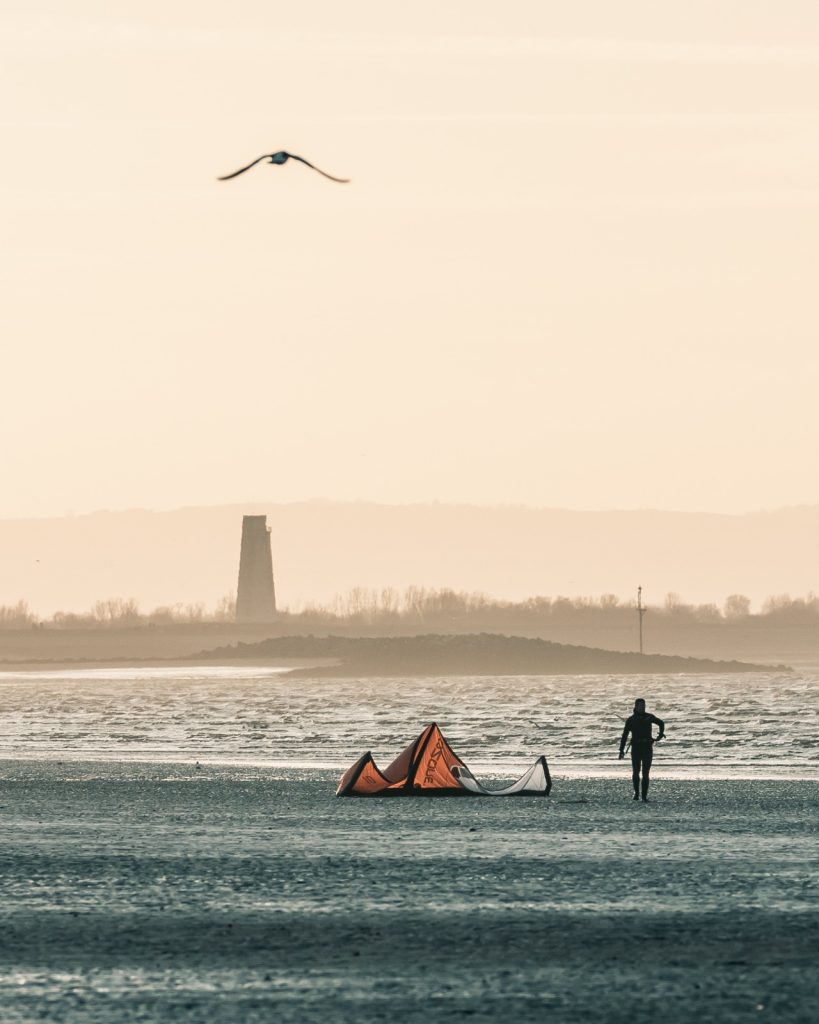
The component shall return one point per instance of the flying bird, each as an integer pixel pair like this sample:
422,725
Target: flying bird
281,158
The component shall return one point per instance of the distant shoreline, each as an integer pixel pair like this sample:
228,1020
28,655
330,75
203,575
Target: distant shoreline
287,665
797,647
430,654
472,654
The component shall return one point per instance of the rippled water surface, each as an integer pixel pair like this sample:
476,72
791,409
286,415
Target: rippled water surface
737,725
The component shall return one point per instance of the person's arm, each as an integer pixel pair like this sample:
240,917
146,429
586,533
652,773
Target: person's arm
624,737
661,726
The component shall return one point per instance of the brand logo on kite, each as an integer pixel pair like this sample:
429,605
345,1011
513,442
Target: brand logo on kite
432,763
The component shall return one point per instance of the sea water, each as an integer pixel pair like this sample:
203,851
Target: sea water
749,725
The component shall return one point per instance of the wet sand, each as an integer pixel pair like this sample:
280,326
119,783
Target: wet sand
147,892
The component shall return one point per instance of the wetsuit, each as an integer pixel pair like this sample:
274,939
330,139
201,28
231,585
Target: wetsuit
642,747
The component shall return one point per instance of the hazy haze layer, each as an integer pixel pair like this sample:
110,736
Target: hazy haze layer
323,548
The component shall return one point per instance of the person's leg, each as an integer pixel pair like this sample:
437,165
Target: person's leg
635,772
646,771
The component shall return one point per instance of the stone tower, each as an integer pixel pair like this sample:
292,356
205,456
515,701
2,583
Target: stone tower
256,596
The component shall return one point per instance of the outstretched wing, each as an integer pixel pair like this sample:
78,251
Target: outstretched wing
343,181
243,169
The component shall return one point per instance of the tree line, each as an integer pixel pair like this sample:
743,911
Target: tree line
430,609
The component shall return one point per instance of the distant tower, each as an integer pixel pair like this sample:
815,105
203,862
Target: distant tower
256,596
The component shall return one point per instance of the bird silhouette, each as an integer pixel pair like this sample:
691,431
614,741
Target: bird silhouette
281,158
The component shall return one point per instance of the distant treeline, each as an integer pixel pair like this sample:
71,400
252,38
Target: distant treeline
386,610
117,612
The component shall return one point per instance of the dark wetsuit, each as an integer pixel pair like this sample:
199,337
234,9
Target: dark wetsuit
642,747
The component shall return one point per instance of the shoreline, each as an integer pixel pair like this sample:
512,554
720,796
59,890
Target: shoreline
366,656
772,644
283,665
330,772
333,668
469,654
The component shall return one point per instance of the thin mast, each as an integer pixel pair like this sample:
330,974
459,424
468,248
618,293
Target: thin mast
640,613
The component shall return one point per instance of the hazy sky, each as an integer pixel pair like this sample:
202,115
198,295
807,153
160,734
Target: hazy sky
577,265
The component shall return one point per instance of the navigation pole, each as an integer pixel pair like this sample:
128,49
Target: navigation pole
640,613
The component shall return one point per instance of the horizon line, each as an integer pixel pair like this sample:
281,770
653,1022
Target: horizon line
421,503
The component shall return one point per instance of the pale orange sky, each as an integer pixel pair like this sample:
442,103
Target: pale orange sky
576,265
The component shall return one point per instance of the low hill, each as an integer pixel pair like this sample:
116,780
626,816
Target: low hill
469,654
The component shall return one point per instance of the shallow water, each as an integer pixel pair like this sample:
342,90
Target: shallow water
719,726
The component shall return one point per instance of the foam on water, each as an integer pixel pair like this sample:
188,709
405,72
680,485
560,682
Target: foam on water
755,724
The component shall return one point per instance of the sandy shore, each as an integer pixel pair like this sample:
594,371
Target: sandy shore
152,892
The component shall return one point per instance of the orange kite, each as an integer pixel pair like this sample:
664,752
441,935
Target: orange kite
430,767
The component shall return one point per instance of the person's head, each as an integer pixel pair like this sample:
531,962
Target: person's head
639,706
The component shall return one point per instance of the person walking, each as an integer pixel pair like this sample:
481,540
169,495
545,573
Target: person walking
638,725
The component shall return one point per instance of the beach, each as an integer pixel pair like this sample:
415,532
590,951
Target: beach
145,891
172,849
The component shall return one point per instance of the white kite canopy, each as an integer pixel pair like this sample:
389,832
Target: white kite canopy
535,782
430,767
